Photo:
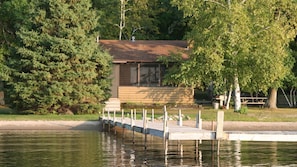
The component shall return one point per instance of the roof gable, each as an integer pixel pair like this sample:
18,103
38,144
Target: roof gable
143,50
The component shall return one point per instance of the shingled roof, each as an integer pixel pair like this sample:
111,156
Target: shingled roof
143,50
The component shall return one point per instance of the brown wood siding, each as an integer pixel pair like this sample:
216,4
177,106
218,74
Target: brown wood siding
125,75
115,80
159,95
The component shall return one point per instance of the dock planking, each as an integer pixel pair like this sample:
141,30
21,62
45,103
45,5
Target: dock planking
267,136
169,131
175,132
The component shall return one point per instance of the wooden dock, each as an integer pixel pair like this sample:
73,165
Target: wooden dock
177,131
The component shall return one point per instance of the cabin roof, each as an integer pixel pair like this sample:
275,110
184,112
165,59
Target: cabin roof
124,51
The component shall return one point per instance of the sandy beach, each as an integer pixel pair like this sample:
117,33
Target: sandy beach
95,125
49,125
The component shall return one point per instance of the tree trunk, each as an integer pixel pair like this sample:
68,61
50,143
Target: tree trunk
122,18
229,98
237,101
272,98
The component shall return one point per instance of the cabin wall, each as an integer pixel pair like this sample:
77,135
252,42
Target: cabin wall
158,95
115,80
125,74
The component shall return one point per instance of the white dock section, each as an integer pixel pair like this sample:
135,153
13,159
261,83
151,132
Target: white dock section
178,132
175,132
280,136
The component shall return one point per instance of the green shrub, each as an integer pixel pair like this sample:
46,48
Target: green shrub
243,110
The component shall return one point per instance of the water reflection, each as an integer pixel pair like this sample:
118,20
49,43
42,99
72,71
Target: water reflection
49,148
91,148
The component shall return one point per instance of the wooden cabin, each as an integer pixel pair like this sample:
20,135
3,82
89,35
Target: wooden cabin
137,75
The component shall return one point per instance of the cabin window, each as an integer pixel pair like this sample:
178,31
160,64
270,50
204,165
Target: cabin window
142,74
150,75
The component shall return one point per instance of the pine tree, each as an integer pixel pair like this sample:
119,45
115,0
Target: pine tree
57,65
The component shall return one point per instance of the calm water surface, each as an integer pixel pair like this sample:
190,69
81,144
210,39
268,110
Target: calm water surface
92,148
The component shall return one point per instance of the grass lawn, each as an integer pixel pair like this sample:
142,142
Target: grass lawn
207,113
254,114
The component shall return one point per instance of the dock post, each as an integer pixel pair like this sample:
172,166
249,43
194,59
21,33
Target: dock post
196,148
114,121
142,114
103,116
181,153
199,120
122,117
220,125
165,124
180,149
180,118
114,117
132,125
134,114
103,120
144,121
153,116
123,127
132,119
144,128
108,117
165,134
218,148
219,130
212,141
166,152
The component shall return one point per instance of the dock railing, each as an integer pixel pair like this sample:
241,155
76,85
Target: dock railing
178,132
163,127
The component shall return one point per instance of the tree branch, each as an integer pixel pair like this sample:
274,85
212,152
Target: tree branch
218,3
263,29
243,1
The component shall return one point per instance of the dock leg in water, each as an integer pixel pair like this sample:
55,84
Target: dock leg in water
109,127
133,133
132,126
145,141
103,126
108,116
123,133
181,154
114,120
181,150
218,147
166,152
145,128
197,149
123,127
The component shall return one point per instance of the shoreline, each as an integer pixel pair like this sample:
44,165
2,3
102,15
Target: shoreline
49,125
95,125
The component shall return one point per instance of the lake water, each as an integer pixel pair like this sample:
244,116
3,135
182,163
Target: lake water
100,149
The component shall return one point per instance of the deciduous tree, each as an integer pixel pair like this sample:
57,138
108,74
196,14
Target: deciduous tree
240,43
145,19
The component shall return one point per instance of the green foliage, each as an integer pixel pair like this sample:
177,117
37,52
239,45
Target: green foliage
248,39
88,109
145,19
57,64
291,79
243,110
13,14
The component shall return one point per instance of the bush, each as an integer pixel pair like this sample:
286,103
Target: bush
243,110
